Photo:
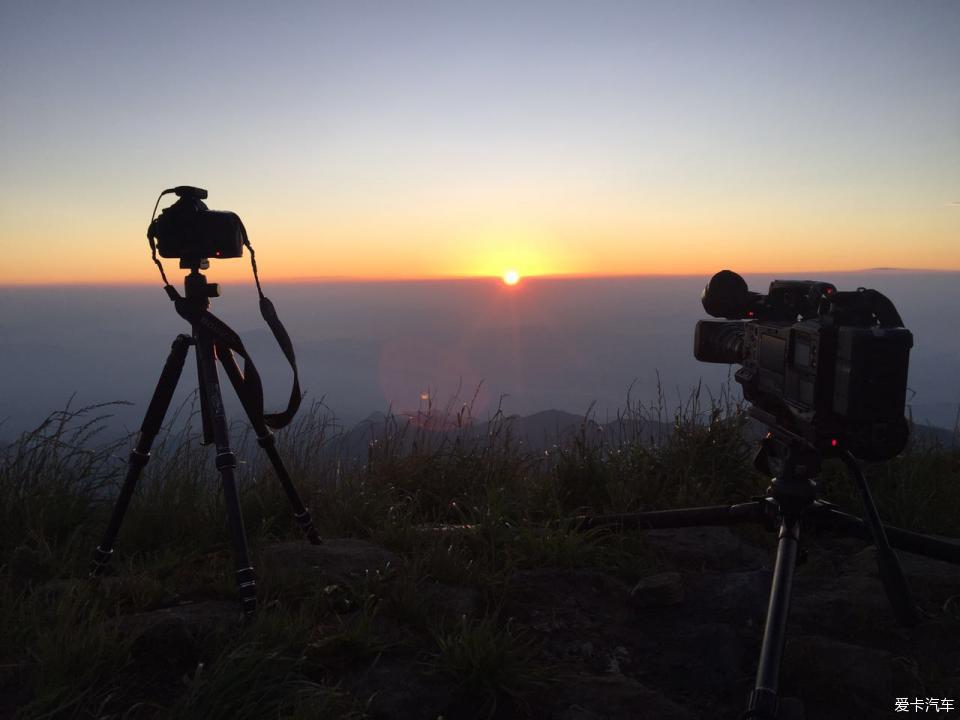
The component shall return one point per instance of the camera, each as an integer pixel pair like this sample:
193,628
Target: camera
825,365
190,231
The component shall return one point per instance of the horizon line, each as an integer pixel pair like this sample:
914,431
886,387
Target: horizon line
366,279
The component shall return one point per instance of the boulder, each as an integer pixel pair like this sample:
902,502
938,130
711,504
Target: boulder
335,560
707,548
449,602
657,590
843,680
615,697
173,636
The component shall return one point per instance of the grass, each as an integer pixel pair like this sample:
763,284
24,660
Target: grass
255,680
71,654
62,652
490,660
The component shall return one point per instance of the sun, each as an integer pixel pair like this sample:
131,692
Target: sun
511,277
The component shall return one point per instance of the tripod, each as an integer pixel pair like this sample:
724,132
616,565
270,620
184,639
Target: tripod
212,340
791,500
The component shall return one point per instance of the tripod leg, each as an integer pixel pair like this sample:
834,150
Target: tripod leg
899,538
763,700
268,442
891,574
208,435
152,421
226,462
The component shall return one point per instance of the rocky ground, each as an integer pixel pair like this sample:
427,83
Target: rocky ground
680,644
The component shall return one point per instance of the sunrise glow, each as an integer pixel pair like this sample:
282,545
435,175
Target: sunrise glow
514,152
511,277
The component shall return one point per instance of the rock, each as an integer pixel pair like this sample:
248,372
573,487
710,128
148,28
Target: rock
743,596
392,687
842,545
739,598
658,590
335,560
448,602
707,548
587,620
173,636
853,608
566,601
704,657
837,679
614,697
560,584
938,637
578,712
924,575
791,708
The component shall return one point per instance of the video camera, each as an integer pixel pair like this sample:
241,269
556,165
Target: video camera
191,232
828,366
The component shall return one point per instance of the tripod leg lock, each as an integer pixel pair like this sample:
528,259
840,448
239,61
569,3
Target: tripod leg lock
139,459
763,705
306,524
226,459
101,558
247,586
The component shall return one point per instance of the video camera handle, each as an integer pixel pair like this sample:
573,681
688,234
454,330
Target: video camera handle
866,301
726,295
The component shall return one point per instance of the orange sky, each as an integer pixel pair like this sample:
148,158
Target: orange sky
574,240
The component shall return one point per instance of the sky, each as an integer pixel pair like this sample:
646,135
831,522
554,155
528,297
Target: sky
426,140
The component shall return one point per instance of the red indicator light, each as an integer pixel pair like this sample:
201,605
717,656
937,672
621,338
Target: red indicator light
829,291
834,442
750,313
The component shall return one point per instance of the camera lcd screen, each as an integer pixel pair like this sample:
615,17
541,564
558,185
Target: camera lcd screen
772,353
802,353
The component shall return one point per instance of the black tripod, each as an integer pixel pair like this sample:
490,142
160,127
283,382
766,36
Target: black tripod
791,498
213,341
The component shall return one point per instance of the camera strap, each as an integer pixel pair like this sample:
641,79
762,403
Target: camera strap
225,336
269,313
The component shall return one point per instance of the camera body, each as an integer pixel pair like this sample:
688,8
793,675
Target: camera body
190,231
826,365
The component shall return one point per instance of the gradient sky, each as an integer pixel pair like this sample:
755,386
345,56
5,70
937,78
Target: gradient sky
409,139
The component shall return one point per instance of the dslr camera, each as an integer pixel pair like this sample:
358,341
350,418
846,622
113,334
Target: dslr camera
825,365
190,231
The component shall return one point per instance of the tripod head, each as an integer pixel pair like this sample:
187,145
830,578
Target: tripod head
793,465
195,286
196,290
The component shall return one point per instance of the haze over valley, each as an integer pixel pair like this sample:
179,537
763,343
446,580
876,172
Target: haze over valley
364,347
